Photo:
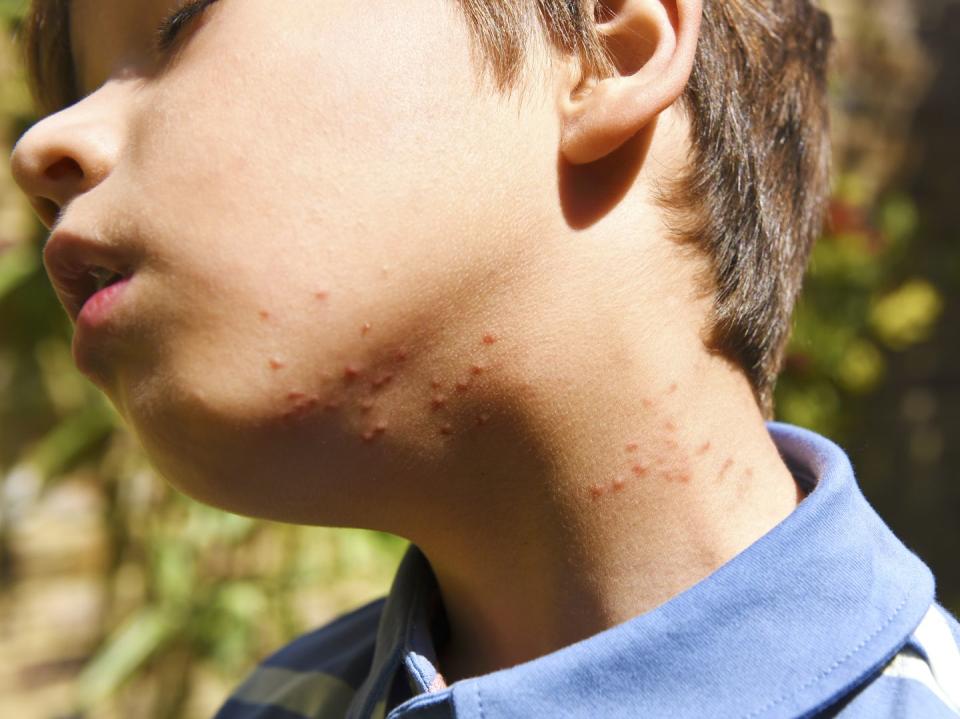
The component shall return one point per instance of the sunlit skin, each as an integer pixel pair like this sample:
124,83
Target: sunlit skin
370,291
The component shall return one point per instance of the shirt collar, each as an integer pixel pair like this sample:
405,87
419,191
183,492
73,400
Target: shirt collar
404,638
792,623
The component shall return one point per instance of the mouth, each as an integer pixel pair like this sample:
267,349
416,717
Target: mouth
79,268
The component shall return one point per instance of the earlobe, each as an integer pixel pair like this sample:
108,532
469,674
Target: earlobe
652,44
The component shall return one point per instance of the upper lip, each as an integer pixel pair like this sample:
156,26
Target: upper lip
71,259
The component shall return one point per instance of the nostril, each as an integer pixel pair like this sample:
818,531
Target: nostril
62,167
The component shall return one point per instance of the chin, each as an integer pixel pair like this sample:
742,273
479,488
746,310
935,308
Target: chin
230,478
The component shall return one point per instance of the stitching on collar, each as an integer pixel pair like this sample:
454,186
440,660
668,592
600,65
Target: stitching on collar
836,665
423,678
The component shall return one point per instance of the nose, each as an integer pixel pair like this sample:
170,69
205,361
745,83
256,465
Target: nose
65,155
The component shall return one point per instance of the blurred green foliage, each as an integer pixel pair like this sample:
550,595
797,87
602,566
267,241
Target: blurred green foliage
187,586
856,308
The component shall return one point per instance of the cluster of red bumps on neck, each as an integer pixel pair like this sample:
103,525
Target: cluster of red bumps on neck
361,387
673,465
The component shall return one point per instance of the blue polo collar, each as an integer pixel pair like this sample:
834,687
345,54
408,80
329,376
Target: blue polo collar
787,627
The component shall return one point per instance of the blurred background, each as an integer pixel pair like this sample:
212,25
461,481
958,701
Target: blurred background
121,598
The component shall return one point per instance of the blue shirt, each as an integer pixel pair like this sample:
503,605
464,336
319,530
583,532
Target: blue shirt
826,615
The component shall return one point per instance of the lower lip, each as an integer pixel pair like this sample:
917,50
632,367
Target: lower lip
96,310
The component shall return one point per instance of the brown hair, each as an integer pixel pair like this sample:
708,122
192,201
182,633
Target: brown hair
754,193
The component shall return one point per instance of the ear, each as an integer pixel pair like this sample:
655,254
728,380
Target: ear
653,44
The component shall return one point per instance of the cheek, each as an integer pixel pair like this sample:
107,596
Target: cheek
239,354
329,149
301,217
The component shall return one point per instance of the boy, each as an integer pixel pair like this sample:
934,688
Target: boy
509,279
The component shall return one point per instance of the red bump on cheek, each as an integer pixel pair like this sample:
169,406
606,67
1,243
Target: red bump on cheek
646,402
366,405
321,295
632,446
672,388
619,484
670,426
638,470
489,339
438,402
382,380
276,364
400,355
703,448
446,430
350,373
436,383
483,419
596,491
462,385
365,329
726,467
264,315
476,369
295,396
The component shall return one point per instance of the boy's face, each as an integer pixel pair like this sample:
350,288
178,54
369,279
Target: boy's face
321,215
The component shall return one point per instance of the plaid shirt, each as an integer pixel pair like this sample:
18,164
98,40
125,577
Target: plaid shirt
826,615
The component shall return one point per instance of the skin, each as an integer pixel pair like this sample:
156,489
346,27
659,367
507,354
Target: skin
370,291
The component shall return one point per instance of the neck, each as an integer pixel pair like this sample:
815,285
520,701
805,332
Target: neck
602,501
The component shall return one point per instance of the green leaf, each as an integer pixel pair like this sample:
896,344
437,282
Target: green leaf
139,638
907,315
174,570
861,368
